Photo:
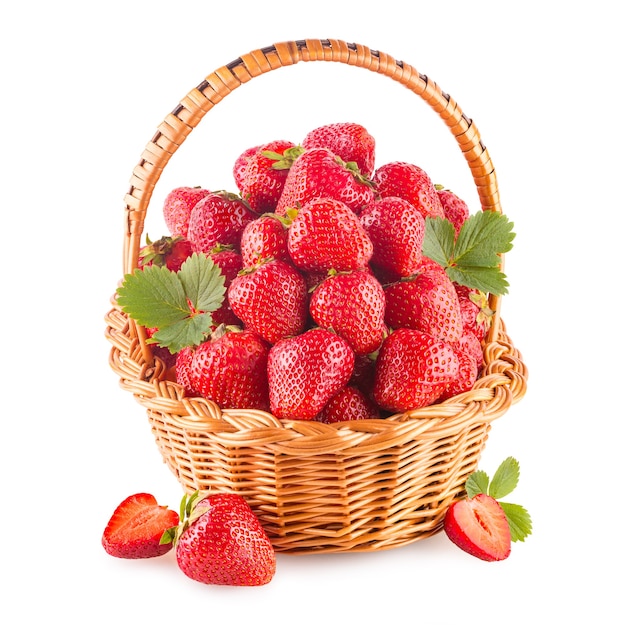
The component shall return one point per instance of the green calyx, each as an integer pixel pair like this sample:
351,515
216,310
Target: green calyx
474,258
179,303
285,160
189,513
503,483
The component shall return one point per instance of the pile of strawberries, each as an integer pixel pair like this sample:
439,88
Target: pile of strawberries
330,310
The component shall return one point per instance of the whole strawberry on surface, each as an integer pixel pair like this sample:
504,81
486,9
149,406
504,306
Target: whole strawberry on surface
220,541
136,527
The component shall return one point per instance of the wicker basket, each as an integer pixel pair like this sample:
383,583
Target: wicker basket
351,486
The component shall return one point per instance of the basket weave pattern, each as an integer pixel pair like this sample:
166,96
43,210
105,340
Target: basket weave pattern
349,486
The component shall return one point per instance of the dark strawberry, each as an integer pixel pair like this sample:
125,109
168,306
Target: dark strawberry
455,209
480,527
318,173
262,180
270,298
177,208
352,142
136,526
220,541
352,304
305,371
396,229
170,252
230,369
406,180
425,301
412,370
326,234
348,404
219,218
264,238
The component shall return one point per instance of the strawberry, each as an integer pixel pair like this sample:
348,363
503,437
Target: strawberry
230,263
262,180
466,377
455,210
304,372
479,526
475,311
425,301
220,541
412,370
352,304
184,360
170,252
352,142
396,229
408,181
270,298
219,218
177,208
136,527
319,173
326,234
241,163
348,404
230,369
264,238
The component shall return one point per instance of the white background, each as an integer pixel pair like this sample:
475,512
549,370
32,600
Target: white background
84,88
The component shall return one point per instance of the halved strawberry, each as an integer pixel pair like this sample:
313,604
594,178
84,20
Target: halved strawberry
136,527
479,526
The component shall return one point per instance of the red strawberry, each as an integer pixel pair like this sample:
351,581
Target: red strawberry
466,377
348,404
241,163
479,527
412,370
219,218
351,304
347,140
326,234
271,299
475,311
230,263
136,526
177,208
184,360
305,371
230,369
426,301
220,541
396,229
262,180
170,252
454,208
264,238
318,173
408,181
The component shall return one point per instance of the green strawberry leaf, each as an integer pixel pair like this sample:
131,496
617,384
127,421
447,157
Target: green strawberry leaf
504,482
179,304
505,479
474,258
519,520
477,482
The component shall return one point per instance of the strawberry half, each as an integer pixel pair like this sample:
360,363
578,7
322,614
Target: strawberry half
136,526
479,526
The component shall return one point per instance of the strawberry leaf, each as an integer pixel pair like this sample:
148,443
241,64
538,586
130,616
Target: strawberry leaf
505,479
519,520
178,304
477,482
153,296
472,259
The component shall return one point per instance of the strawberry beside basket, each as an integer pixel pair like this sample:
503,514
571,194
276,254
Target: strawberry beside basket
349,486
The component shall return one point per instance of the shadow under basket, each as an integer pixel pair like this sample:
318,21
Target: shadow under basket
350,486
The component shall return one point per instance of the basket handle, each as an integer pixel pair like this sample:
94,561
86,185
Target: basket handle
216,86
